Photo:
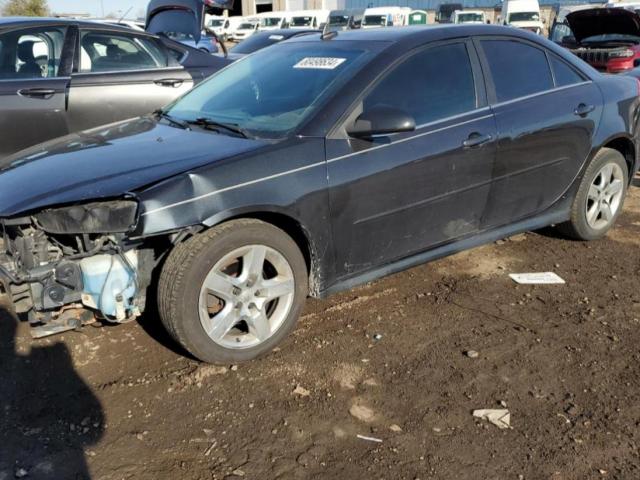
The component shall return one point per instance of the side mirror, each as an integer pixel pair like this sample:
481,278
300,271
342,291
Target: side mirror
381,120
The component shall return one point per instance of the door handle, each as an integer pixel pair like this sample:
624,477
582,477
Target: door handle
583,110
169,82
43,93
476,139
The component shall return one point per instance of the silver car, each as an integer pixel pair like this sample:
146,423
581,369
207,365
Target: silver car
59,76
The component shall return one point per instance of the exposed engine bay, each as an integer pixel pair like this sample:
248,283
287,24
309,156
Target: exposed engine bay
70,266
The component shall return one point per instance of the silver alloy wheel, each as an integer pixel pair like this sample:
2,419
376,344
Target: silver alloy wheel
605,196
246,296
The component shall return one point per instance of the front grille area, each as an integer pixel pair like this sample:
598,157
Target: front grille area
593,56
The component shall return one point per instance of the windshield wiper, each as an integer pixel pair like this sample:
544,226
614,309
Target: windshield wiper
174,121
213,125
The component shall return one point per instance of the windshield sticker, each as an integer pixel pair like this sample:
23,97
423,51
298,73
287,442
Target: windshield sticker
276,37
322,63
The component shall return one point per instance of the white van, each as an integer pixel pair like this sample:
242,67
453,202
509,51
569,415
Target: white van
468,16
523,14
385,17
219,25
272,20
234,23
308,18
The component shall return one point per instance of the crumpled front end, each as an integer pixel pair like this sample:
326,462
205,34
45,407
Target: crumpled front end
69,266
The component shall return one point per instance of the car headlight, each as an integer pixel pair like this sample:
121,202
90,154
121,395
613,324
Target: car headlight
115,216
621,53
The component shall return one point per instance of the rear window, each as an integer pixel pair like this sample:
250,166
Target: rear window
563,73
517,69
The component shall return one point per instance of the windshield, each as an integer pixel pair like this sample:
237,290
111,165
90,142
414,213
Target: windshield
339,20
256,42
246,26
270,22
216,23
301,21
272,94
524,17
375,20
469,17
559,31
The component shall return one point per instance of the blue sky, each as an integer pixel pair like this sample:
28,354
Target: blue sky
94,7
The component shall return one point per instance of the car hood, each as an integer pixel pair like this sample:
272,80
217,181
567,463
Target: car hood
108,162
603,21
180,16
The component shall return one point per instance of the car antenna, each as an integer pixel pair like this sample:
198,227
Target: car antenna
125,14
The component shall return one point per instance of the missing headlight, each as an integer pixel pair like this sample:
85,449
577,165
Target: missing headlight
116,216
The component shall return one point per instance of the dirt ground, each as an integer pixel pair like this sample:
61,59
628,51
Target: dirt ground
386,361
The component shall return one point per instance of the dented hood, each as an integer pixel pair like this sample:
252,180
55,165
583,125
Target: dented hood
179,16
603,21
108,162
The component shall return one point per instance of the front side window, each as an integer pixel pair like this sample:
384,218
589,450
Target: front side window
31,53
302,21
431,85
517,69
110,52
270,95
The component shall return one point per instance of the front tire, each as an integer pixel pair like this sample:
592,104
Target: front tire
234,292
600,197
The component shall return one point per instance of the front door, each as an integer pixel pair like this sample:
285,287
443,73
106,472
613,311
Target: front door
395,195
34,77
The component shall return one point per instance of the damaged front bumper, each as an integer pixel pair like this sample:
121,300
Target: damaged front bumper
70,266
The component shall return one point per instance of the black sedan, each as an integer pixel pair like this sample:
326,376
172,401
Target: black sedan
264,39
323,163
59,76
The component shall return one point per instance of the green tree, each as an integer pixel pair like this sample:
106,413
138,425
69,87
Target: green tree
24,8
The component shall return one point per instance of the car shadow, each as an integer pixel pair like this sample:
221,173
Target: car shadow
636,181
49,415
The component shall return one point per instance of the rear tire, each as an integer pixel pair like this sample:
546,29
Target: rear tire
600,197
234,292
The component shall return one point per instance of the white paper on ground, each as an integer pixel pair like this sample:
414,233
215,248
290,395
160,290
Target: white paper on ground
501,418
539,278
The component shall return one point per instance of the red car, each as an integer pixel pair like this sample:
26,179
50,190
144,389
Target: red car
606,38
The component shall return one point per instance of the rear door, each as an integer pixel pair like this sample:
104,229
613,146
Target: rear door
34,76
546,114
119,75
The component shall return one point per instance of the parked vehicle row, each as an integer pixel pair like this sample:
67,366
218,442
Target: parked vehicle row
324,162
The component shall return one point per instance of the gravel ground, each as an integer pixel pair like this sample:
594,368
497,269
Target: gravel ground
389,360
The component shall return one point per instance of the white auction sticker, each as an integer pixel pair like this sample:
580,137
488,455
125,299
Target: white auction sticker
322,63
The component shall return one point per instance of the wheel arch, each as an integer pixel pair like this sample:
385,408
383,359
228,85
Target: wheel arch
626,147
293,227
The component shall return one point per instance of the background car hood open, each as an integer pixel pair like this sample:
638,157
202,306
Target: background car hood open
180,16
603,21
108,162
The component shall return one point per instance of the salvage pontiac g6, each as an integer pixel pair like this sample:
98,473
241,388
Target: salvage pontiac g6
321,163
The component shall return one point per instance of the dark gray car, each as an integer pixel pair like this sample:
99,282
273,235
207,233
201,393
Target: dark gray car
59,76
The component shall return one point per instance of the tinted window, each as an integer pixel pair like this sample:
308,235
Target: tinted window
257,42
31,53
108,52
517,69
563,73
431,85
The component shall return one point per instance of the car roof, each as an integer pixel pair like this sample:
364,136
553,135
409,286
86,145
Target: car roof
6,22
424,33
287,32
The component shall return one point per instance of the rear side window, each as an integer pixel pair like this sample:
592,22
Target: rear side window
517,69
109,52
431,85
563,73
31,53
